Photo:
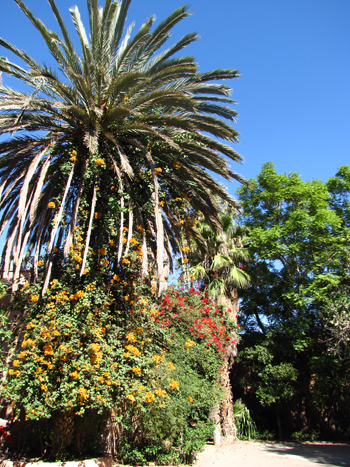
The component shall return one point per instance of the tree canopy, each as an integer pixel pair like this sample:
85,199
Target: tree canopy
294,315
117,130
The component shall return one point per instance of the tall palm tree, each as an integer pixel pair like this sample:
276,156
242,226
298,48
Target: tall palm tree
118,132
217,262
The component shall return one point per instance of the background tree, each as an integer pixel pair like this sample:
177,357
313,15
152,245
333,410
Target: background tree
299,257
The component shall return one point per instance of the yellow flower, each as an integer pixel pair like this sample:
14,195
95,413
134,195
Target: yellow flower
83,393
133,350
149,397
126,298
98,216
130,397
40,263
74,159
174,384
111,242
185,260
26,284
158,170
126,354
74,152
54,282
178,199
51,205
131,337
190,399
34,298
100,162
16,363
125,261
189,344
79,294
95,347
116,277
75,375
156,358
103,251
90,287
48,350
43,387
86,270
171,366
160,392
135,370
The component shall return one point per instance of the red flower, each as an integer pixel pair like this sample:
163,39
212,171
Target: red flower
191,290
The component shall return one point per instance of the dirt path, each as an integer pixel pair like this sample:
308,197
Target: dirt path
259,454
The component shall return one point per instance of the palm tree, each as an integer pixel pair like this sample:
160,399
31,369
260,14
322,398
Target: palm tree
217,262
217,259
119,132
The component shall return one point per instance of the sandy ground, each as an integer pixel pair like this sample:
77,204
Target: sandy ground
259,454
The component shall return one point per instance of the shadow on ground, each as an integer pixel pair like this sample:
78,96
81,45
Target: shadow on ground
321,453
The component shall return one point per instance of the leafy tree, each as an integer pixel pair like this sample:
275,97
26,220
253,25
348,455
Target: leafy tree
117,135
339,188
299,251
298,259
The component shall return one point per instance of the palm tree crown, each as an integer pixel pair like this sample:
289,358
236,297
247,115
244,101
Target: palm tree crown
218,256
111,139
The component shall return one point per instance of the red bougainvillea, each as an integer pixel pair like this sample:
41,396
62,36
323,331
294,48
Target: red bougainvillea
190,311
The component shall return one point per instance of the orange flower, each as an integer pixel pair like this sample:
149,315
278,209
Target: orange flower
100,162
174,384
51,205
190,399
149,397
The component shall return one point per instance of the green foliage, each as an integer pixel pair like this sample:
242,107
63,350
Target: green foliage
272,380
86,347
245,425
294,315
215,256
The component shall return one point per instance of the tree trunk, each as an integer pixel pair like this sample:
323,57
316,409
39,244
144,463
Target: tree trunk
63,432
228,425
227,419
279,426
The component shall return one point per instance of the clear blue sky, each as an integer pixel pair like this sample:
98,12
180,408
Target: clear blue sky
293,56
